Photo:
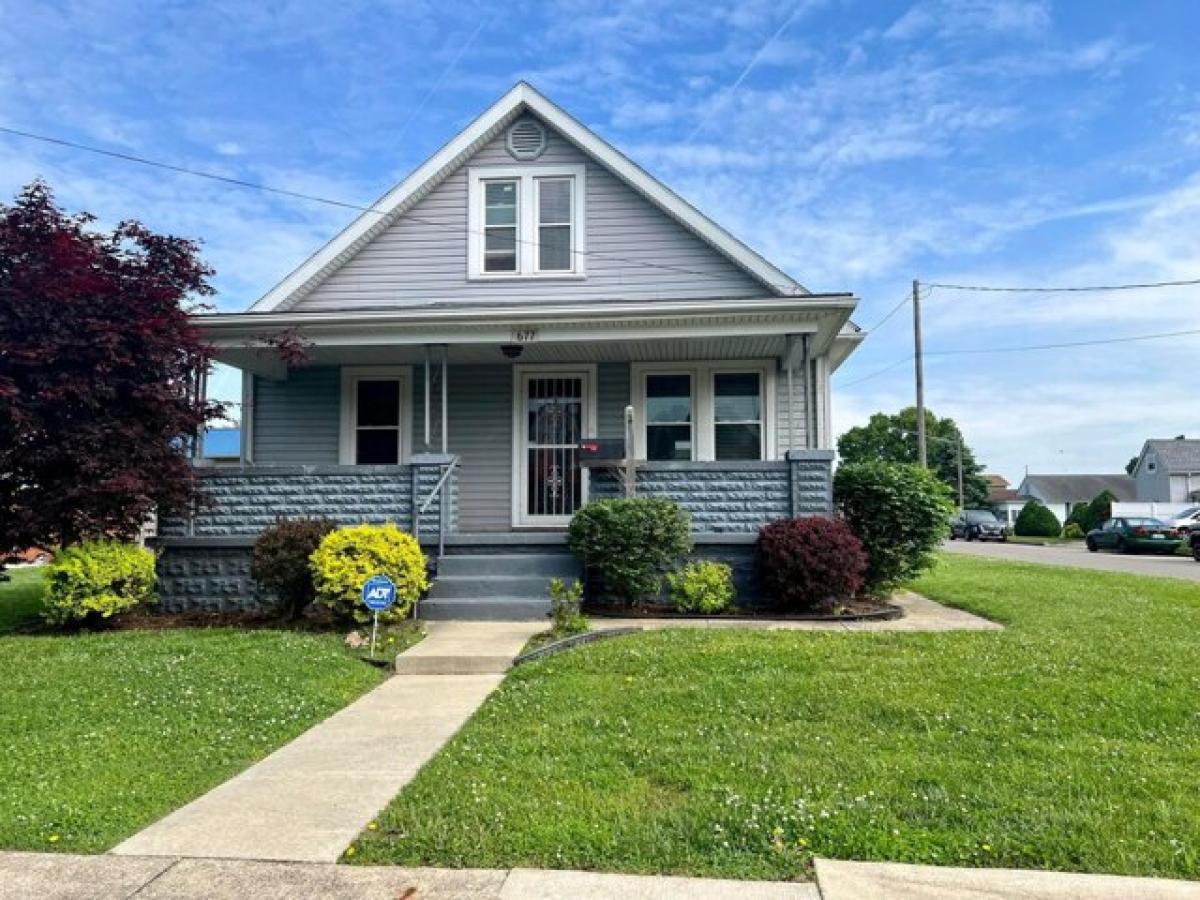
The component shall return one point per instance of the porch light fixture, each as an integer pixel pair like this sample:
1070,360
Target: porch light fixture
512,351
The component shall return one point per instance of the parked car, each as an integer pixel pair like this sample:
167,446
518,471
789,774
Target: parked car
1193,540
978,525
1184,520
1130,534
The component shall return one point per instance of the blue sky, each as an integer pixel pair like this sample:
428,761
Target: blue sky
865,144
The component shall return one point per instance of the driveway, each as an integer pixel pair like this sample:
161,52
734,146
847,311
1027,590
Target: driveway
1078,556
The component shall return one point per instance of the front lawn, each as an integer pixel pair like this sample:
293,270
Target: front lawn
102,734
1069,741
20,596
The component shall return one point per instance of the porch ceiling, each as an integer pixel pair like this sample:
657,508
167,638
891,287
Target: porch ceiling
664,330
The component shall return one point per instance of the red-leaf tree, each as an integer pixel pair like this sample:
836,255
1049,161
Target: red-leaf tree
98,366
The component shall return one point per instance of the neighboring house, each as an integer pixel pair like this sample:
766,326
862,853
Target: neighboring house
1062,493
1168,471
1003,499
500,307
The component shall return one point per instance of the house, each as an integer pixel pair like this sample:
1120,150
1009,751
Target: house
1168,471
503,305
1003,498
1062,493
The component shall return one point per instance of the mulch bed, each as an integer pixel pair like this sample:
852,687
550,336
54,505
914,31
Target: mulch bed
854,611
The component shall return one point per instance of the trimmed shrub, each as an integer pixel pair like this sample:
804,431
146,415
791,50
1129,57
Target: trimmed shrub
901,513
1073,532
280,561
346,558
96,580
1080,517
629,543
702,587
1099,510
564,608
809,564
1035,520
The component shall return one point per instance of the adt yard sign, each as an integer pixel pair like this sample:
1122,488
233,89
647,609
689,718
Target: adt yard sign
379,593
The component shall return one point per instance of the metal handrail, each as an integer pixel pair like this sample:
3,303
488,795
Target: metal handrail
442,510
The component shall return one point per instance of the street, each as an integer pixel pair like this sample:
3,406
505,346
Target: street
1077,555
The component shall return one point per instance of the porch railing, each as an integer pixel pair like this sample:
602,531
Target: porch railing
439,490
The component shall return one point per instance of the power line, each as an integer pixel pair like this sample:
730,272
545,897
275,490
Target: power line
787,289
1068,344
1063,290
904,301
877,372
1062,345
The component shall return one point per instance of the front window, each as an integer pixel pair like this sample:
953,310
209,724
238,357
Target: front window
377,422
526,221
554,224
669,416
708,411
737,415
500,226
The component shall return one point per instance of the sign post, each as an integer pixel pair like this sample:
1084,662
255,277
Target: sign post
378,592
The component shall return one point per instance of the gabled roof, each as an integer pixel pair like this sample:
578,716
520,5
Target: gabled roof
521,98
1076,488
1178,456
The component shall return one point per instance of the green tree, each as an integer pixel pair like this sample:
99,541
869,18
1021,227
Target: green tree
893,438
1131,465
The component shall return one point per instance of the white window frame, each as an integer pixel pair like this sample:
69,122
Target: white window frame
704,405
526,177
348,436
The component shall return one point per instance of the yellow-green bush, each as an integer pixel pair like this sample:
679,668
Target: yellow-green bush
96,580
346,558
702,587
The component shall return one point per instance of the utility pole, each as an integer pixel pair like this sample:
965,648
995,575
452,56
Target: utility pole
919,366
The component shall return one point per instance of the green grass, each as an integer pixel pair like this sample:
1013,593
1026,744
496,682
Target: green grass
1022,539
1069,741
102,734
20,597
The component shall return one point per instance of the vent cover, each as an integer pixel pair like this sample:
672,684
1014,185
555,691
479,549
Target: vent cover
526,140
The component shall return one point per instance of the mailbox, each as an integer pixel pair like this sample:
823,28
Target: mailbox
601,451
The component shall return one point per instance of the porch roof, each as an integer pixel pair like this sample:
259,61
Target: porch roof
592,331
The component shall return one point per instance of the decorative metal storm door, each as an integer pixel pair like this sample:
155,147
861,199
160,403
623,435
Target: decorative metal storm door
554,417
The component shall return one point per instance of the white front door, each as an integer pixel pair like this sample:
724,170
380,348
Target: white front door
554,411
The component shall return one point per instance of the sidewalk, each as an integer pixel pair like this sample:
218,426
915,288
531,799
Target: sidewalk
307,801
61,877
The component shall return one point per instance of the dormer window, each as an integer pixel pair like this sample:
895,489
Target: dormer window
525,222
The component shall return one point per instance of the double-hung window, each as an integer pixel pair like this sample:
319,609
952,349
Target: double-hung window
669,419
500,225
704,411
374,414
737,415
525,221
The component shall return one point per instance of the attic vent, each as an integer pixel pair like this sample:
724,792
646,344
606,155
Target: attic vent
526,140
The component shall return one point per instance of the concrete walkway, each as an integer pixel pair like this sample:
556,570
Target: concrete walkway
63,877
920,614
307,801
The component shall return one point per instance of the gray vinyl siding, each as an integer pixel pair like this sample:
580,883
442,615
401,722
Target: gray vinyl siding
423,256
612,396
481,415
297,421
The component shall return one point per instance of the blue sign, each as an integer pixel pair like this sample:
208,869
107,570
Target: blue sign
379,592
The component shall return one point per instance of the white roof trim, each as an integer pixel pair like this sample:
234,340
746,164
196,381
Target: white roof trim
523,96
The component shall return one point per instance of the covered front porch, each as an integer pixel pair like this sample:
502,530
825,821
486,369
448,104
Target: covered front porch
720,394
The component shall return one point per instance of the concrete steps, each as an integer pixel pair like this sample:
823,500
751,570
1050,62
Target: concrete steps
496,587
